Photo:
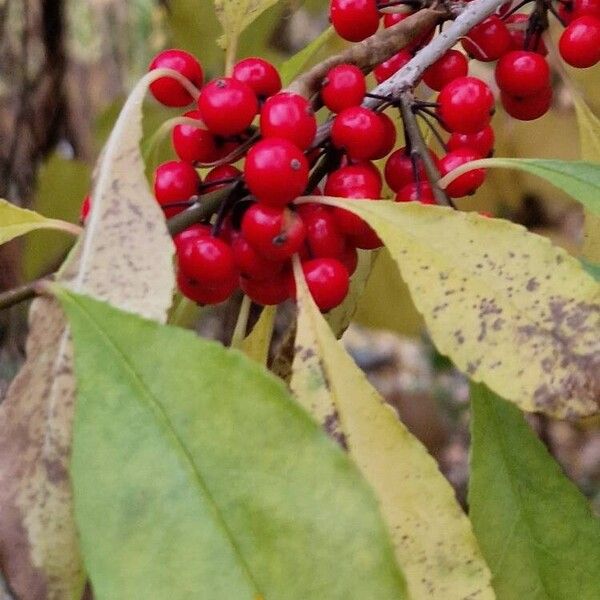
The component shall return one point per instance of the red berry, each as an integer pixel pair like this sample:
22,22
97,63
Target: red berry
465,105
250,263
175,181
227,106
528,108
169,91
359,131
392,65
504,9
323,236
220,177
344,86
389,137
194,143
579,44
413,192
449,67
391,19
399,170
465,184
84,211
366,240
579,8
289,116
207,260
521,73
517,27
327,280
267,292
276,171
192,232
488,41
349,258
202,294
482,141
354,20
275,233
259,75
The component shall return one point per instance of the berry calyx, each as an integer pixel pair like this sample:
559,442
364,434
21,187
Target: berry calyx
259,75
449,67
465,105
465,184
289,116
488,40
482,141
227,106
344,86
327,280
175,181
276,171
169,91
194,143
354,20
359,131
579,44
522,73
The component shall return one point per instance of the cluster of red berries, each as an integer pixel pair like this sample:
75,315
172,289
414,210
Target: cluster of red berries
250,242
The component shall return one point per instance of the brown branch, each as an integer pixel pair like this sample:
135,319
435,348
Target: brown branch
24,292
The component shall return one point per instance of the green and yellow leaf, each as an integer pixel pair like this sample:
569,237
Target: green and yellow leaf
432,537
256,344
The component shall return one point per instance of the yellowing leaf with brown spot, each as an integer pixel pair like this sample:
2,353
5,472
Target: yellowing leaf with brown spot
125,258
506,306
256,344
15,221
433,540
589,134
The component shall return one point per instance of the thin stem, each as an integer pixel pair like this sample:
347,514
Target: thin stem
239,333
418,145
25,292
433,130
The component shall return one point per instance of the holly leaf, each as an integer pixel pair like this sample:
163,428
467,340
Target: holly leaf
15,221
432,537
225,488
535,528
124,257
506,306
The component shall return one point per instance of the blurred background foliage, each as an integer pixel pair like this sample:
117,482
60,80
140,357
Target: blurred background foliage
106,45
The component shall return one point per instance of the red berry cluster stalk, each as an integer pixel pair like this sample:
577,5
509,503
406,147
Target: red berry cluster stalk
245,227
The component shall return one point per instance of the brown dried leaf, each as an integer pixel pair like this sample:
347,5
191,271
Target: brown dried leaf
125,258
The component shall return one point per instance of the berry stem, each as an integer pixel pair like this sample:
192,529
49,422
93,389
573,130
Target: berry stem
417,144
24,292
434,130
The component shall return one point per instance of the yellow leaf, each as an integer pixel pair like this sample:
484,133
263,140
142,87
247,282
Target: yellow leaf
589,134
432,537
506,306
124,257
256,344
15,221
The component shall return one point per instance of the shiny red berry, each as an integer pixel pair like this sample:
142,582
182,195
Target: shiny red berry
327,280
391,66
258,74
416,192
517,27
344,86
569,11
251,263
289,116
528,108
358,131
84,211
267,292
175,181
465,184
391,19
522,73
194,143
482,141
203,294
354,20
349,258
579,44
227,106
389,137
399,170
207,260
323,236
489,40
169,91
220,177
465,105
275,233
194,231
276,171
449,67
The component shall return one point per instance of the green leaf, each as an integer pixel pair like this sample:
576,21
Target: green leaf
535,528
592,268
197,476
580,179
506,306
294,65
434,543
15,221
256,344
